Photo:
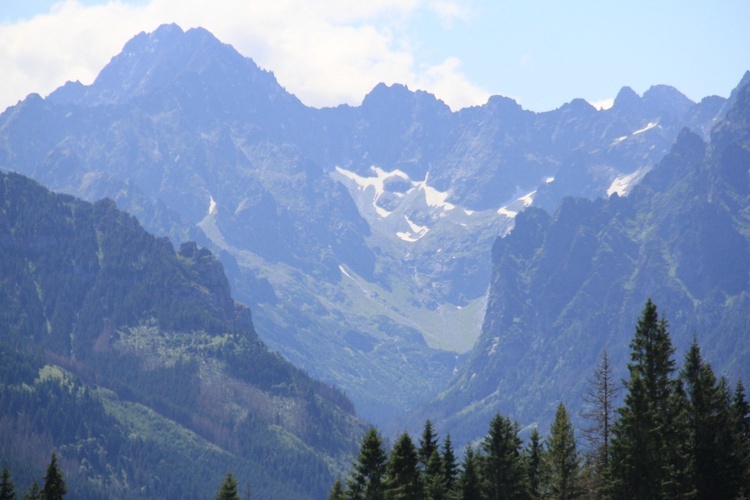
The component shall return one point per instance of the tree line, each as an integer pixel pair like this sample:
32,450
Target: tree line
53,489
679,433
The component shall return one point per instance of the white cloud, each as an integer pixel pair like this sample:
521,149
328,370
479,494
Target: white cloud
326,52
603,104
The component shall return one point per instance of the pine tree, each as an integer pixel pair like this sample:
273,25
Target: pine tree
599,410
533,455
561,462
54,486
428,443
469,481
402,477
644,461
449,465
228,489
502,467
7,488
366,478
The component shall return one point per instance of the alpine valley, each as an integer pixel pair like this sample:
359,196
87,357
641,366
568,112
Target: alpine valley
427,263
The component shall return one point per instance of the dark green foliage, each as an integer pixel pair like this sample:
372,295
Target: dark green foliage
435,485
450,465
600,412
366,478
469,482
337,491
501,463
402,475
228,489
740,415
561,461
121,326
33,493
7,488
645,447
533,455
428,443
54,485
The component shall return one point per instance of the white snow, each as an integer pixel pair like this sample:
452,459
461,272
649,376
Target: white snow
622,184
528,199
647,127
433,197
211,205
549,180
508,213
376,183
416,233
343,271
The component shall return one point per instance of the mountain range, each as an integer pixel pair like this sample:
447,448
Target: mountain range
361,236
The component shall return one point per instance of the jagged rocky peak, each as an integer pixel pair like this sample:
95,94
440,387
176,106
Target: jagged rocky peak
627,100
398,98
667,100
150,61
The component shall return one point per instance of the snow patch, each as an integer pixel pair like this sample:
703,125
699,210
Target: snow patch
343,271
528,199
433,197
416,233
377,183
647,127
508,213
623,184
211,205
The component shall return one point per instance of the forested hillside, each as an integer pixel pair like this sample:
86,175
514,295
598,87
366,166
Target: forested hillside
133,362
680,432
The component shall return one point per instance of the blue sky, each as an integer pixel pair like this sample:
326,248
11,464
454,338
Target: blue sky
327,52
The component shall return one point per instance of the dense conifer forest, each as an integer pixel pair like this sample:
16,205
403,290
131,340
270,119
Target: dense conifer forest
680,432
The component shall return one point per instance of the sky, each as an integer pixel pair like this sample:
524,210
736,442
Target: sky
329,52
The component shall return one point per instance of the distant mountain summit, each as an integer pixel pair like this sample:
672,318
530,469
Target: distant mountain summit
359,235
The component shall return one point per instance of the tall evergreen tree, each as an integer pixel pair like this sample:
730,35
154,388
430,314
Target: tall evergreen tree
402,477
533,454
741,428
33,493
54,485
228,488
469,481
337,491
502,466
7,488
644,443
600,411
449,464
561,462
709,425
428,443
434,478
366,479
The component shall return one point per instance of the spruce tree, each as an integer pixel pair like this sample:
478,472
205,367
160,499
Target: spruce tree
434,478
33,493
54,485
561,462
337,491
428,443
7,488
469,481
644,461
402,477
366,478
228,488
502,466
449,464
740,415
599,410
534,454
